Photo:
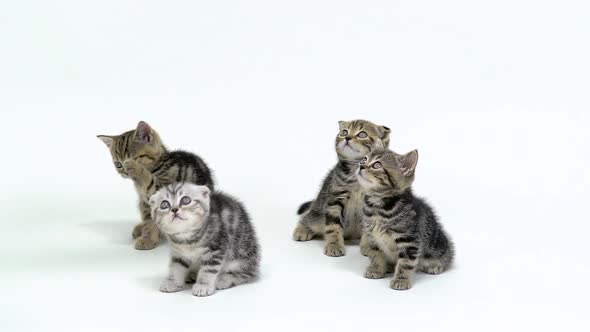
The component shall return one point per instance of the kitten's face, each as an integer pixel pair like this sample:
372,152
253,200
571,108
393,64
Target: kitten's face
384,170
142,145
359,137
180,207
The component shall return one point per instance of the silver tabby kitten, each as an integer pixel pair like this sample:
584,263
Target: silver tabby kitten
335,213
401,229
210,234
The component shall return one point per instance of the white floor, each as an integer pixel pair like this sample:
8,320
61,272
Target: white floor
76,270
494,94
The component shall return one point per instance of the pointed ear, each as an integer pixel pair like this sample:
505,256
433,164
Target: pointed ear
143,132
407,163
108,140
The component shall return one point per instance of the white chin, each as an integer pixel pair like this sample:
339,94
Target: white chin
349,153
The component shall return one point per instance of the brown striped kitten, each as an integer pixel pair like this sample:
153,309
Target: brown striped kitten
336,212
401,229
140,156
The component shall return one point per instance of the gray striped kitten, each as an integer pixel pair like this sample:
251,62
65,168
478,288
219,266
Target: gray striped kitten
335,213
401,229
210,234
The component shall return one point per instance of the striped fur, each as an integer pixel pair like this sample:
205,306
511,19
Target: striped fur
335,212
210,234
140,155
400,229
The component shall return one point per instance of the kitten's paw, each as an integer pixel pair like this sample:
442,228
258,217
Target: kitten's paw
144,243
364,250
203,290
372,273
224,282
400,284
191,278
432,267
132,168
168,286
137,230
302,234
334,250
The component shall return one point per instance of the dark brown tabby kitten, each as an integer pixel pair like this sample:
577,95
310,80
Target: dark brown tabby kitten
400,228
336,212
140,156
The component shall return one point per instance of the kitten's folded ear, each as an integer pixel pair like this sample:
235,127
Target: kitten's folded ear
143,132
205,192
407,163
342,123
384,135
108,140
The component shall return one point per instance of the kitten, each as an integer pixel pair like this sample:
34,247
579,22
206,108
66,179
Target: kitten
400,228
210,234
140,155
335,213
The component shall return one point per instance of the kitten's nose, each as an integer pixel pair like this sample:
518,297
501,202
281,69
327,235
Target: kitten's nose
348,139
174,210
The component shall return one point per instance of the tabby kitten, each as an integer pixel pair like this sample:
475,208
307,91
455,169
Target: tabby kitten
140,155
335,213
210,234
400,228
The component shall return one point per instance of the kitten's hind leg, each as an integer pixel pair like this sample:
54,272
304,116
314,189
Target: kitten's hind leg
310,225
431,266
231,279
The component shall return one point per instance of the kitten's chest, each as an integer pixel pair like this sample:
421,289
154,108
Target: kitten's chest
382,234
188,252
354,206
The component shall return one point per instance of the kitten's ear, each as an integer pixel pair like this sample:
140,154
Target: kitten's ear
143,132
384,135
205,192
343,124
108,140
153,199
407,163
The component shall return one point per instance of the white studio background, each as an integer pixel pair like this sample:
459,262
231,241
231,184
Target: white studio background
494,94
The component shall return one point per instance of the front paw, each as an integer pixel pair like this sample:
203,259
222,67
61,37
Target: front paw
334,250
144,243
373,273
168,286
137,231
302,234
202,290
132,168
364,250
400,284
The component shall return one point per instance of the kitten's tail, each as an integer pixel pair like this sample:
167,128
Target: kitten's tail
304,207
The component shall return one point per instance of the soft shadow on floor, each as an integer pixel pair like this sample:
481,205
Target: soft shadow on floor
116,232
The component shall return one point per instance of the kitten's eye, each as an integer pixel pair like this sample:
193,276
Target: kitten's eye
344,132
118,164
364,161
363,134
165,205
185,200
377,165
